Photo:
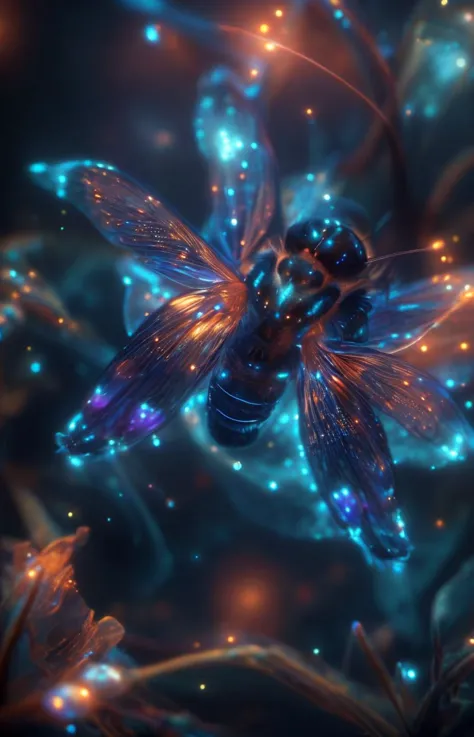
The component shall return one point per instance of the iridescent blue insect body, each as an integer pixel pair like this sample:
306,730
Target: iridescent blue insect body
257,314
289,294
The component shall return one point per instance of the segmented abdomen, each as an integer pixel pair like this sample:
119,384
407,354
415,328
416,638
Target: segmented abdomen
248,383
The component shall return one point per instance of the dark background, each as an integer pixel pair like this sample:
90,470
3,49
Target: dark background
78,80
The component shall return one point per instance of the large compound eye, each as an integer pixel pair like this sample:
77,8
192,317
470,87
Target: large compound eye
341,252
336,247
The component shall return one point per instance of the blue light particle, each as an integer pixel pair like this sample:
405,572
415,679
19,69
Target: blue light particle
233,222
71,729
127,281
316,651
450,383
156,441
207,102
468,404
310,177
38,168
152,33
273,485
237,466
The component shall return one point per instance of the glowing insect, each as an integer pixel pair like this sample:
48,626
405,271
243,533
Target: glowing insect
260,311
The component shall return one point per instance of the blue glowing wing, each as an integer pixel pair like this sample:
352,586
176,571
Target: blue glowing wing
147,382
231,137
145,292
409,396
307,196
348,453
128,215
404,315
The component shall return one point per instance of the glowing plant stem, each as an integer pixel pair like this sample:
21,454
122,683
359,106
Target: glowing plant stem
15,632
452,677
284,668
382,673
195,660
324,693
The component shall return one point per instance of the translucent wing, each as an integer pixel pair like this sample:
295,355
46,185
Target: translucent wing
404,315
153,375
231,137
411,397
128,215
303,197
348,453
145,292
446,352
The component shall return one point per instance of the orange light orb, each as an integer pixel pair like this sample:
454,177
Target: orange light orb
249,596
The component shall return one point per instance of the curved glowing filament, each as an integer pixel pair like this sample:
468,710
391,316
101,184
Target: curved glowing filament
391,134
195,660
